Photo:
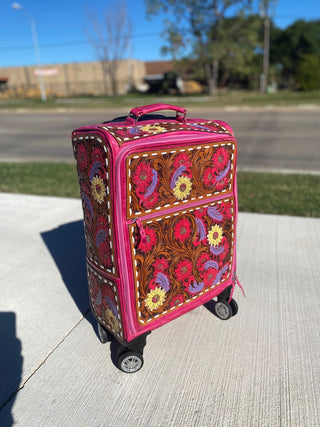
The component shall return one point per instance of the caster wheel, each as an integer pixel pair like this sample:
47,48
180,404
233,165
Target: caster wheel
130,362
234,307
223,310
104,335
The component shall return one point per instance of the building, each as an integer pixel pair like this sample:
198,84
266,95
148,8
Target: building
82,78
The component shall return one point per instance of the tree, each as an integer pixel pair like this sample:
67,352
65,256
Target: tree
307,72
202,28
294,46
110,36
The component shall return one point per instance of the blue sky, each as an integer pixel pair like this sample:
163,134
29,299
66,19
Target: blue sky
61,29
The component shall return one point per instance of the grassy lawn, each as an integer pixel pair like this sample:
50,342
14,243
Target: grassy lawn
258,192
224,98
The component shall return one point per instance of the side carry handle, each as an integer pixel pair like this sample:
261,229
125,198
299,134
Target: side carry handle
137,112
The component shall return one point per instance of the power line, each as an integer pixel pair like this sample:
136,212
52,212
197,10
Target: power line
72,43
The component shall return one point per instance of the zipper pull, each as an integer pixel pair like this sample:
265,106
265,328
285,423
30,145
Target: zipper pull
235,281
142,232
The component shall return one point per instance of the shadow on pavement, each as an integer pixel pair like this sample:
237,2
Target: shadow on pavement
67,247
11,362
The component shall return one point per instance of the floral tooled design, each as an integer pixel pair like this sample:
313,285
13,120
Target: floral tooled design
123,134
145,179
155,298
93,163
177,258
154,129
103,296
182,187
164,179
98,189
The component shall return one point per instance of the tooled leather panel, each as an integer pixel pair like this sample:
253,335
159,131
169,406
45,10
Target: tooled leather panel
124,134
178,258
160,180
105,301
93,165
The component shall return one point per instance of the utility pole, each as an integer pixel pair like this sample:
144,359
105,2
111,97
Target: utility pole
18,6
266,45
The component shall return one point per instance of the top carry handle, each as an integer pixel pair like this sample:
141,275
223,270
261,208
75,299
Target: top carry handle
137,112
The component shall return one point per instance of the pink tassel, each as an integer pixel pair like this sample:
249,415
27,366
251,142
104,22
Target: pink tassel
236,281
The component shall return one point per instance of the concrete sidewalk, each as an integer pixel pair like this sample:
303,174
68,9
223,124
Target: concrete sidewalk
260,368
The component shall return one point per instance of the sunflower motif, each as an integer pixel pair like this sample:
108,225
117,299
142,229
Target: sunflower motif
98,189
153,129
182,188
111,320
215,235
155,298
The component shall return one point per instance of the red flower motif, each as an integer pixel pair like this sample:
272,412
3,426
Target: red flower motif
96,295
182,159
82,157
148,240
209,277
223,183
226,246
203,258
200,213
226,210
105,254
97,155
142,176
160,265
176,300
151,201
182,230
220,158
209,177
184,270
102,223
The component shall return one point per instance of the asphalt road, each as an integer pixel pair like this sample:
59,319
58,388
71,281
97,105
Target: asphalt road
267,138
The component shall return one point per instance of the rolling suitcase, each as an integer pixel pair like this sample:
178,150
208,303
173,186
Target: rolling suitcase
160,208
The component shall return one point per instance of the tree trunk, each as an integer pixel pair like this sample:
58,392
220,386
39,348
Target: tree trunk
212,77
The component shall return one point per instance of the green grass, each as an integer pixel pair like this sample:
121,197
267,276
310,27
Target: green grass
279,194
271,193
48,179
224,98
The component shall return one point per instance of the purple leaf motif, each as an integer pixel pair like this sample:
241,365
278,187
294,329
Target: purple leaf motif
100,237
88,203
223,173
176,174
211,264
94,170
163,281
134,131
195,287
201,229
111,305
217,250
199,126
98,299
220,274
153,185
214,213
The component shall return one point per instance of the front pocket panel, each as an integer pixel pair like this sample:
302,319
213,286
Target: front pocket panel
159,180
179,257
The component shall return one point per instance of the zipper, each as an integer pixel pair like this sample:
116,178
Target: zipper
167,212
150,145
